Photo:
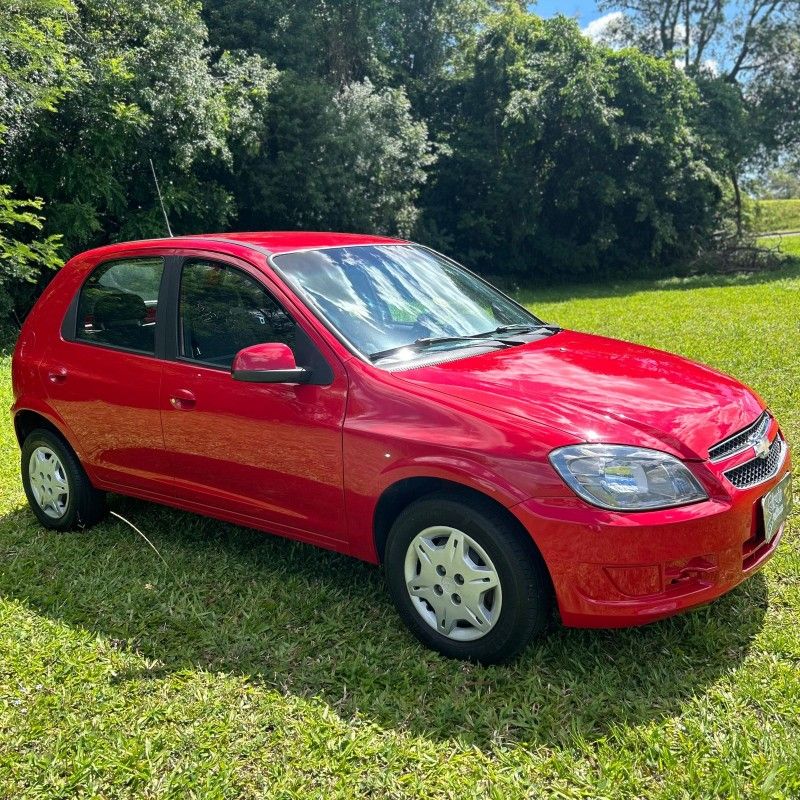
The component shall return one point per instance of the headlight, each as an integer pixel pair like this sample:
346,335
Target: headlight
626,478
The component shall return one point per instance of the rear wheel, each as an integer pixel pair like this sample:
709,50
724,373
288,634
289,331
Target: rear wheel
58,490
465,580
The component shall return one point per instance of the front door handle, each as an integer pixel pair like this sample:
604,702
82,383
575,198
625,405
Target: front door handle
57,374
182,399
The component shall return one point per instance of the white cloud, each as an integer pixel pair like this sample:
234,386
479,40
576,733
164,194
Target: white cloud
597,28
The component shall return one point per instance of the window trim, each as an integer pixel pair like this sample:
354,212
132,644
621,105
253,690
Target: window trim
69,325
167,322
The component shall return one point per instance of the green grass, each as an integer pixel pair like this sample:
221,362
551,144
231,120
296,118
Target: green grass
788,245
775,215
250,666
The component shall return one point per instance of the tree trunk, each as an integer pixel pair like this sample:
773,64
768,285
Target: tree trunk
737,203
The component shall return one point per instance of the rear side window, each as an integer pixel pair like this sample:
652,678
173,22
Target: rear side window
223,310
118,304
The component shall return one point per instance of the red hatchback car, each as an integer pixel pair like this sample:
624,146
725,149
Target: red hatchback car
371,396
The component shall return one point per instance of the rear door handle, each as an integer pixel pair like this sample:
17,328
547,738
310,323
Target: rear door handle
182,399
57,374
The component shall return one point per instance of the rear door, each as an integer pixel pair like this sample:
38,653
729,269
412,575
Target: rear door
103,376
269,452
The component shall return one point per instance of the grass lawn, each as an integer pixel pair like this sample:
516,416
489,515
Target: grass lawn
776,215
249,666
789,245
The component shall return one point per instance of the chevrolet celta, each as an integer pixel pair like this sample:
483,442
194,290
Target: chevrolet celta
371,396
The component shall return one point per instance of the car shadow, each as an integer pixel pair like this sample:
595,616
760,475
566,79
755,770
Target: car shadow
317,625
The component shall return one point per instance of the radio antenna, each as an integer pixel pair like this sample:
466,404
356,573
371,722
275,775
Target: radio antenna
160,198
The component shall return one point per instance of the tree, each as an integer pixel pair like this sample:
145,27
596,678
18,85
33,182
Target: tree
333,41
407,43
752,46
352,159
569,159
35,73
774,95
724,124
146,89
732,37
780,183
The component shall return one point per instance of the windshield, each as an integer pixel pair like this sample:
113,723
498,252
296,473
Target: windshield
383,297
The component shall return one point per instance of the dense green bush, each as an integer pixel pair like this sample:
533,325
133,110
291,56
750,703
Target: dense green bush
349,159
515,143
569,159
35,74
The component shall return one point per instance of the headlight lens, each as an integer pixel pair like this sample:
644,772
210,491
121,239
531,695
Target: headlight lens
626,478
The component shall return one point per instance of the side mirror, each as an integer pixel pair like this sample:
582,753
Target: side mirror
271,362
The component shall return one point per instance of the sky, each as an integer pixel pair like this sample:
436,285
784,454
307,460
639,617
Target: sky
593,21
585,10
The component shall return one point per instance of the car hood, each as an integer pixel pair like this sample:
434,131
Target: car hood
601,390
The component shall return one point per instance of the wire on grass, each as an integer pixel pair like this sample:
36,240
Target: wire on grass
152,546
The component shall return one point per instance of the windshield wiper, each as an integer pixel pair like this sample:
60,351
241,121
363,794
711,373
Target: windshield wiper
430,341
522,327
486,337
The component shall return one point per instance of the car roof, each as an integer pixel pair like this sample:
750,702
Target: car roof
285,241
269,242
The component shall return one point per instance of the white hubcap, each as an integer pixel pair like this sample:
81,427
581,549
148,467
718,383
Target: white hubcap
49,482
452,583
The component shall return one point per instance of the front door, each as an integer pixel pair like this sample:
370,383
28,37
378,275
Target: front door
270,452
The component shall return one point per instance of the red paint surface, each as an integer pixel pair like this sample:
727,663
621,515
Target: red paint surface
272,355
311,462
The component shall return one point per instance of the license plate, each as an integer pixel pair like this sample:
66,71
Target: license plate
777,504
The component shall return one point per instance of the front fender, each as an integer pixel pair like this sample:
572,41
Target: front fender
370,475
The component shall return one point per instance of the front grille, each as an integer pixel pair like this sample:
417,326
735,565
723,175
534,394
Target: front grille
740,440
758,470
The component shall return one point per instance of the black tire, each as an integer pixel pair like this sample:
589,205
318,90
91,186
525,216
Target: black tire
527,597
85,505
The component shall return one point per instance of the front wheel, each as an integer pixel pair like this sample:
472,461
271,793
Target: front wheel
465,580
58,490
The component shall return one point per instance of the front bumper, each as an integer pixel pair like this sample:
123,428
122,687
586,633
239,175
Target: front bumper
613,570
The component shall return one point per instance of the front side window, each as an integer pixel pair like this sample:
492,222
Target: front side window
223,310
118,304
380,297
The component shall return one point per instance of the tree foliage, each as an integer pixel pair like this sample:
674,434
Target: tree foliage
571,159
741,52
731,37
474,125
148,90
22,256
411,43
351,159
35,67
780,183
35,74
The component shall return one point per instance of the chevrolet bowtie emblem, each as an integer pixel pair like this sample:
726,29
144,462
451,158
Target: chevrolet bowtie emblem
762,448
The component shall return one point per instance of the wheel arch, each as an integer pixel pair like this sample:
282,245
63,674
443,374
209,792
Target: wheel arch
27,420
400,494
